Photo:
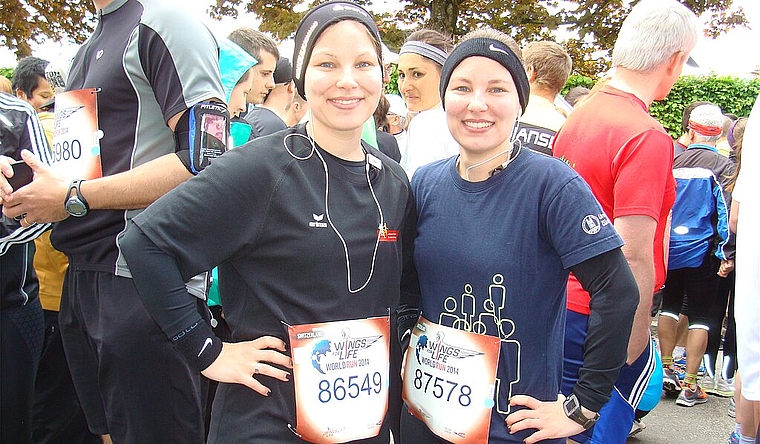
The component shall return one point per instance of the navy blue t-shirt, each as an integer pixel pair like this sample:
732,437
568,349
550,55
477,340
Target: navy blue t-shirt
496,253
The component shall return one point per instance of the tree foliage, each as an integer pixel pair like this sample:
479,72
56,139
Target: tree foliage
595,23
278,18
25,21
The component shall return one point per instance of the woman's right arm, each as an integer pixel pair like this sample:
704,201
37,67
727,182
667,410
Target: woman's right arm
162,289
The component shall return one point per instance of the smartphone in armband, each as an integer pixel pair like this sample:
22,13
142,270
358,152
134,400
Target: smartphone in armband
209,134
22,175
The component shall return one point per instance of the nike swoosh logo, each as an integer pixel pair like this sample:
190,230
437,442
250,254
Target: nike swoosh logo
205,344
493,48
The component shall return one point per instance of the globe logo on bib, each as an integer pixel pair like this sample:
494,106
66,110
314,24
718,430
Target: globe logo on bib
421,345
321,349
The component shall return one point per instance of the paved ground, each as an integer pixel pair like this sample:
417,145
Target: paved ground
672,424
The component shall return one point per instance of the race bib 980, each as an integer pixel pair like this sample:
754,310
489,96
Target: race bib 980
76,137
340,372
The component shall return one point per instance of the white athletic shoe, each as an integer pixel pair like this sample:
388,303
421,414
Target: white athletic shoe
637,427
725,388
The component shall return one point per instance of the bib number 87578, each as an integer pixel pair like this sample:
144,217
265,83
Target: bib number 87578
422,382
339,390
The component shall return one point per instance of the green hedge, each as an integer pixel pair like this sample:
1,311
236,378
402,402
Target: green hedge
6,72
733,95
392,86
578,80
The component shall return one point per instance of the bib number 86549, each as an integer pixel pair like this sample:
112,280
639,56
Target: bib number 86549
338,389
422,382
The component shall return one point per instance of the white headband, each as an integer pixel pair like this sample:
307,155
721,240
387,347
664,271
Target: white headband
425,50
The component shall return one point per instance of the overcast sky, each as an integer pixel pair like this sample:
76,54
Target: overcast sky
734,53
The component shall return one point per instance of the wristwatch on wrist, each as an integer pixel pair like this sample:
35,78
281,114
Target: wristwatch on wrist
75,203
572,408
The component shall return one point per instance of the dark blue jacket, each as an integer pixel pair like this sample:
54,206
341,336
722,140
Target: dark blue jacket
700,212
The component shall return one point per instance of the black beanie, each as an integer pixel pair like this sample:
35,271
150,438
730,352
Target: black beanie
314,23
494,50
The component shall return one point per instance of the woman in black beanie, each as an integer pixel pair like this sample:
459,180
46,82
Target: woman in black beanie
499,229
310,229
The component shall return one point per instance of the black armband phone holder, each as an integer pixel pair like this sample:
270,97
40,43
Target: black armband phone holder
202,134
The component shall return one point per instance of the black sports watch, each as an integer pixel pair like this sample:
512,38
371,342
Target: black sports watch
75,204
572,409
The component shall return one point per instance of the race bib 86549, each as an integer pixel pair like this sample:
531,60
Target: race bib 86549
340,372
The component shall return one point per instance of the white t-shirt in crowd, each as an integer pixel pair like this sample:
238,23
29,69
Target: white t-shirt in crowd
747,312
428,140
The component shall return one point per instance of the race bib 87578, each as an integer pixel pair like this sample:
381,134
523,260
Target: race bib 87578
449,380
